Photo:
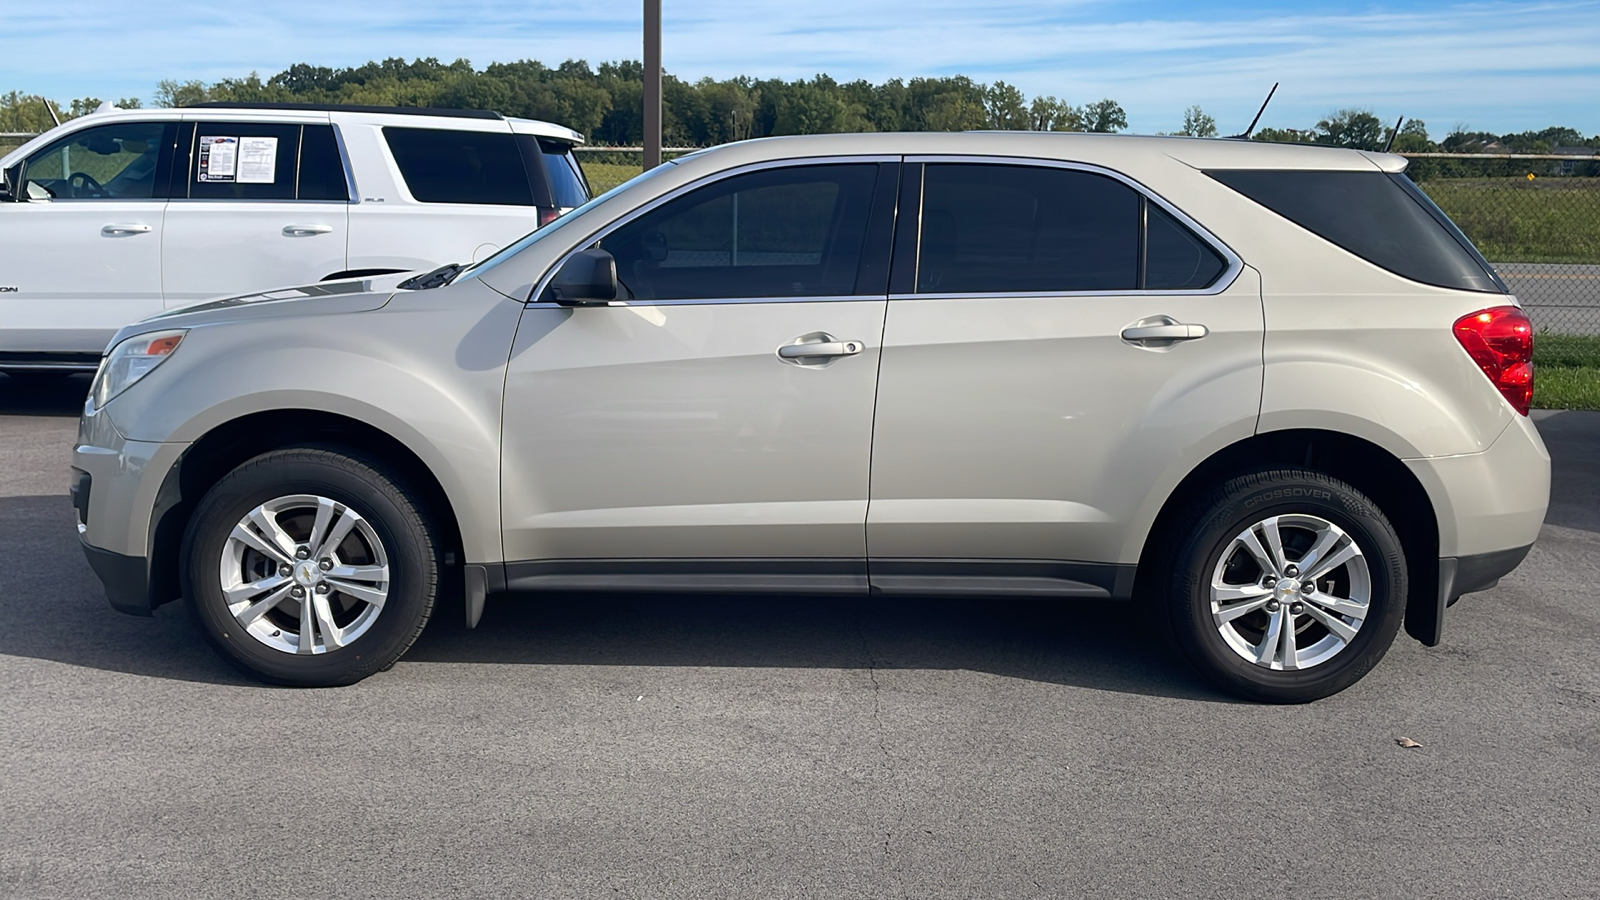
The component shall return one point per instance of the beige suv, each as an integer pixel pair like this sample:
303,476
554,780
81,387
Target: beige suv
1268,392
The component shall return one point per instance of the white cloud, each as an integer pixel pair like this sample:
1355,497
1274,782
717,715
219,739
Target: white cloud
1502,66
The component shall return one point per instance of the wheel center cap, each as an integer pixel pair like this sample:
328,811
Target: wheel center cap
1287,587
306,573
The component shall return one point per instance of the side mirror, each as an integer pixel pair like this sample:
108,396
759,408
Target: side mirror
588,278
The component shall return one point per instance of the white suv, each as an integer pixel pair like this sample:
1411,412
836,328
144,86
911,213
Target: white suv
118,215
1267,392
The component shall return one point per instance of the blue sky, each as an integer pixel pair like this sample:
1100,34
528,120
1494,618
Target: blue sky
1494,66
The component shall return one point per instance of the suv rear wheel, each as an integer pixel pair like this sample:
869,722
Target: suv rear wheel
1289,588
310,567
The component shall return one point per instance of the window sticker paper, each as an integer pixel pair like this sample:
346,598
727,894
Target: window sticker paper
258,160
218,158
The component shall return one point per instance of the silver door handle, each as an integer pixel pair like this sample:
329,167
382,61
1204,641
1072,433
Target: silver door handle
1175,331
305,230
820,349
121,230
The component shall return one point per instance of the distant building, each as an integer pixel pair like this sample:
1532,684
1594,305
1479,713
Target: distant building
1578,155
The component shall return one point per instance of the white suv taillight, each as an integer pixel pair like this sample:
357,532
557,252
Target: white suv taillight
1500,341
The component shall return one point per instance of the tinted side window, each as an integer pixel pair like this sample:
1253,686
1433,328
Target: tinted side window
116,162
795,232
1176,258
321,167
243,161
1000,228
566,179
1371,216
442,166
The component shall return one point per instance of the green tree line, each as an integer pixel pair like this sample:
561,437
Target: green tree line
606,104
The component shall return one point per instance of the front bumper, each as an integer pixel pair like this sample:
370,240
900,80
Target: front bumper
120,488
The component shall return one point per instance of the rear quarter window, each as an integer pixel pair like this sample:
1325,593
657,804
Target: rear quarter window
1379,217
444,166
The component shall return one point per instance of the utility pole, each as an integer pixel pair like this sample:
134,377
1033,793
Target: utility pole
652,84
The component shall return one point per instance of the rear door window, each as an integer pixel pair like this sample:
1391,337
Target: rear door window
445,166
1014,229
1379,217
120,161
321,167
1175,257
244,161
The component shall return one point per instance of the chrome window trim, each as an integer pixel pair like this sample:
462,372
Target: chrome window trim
705,181
1223,282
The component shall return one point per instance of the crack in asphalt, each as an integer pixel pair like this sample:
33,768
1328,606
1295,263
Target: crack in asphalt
888,759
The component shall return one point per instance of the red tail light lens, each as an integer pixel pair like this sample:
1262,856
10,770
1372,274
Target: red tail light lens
1500,341
547,215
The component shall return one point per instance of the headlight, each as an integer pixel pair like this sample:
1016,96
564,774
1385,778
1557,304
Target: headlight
130,361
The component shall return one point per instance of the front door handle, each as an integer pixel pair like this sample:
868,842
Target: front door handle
818,348
305,230
125,230
1162,331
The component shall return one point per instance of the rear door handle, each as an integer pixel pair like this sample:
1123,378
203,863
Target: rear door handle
1162,330
125,230
305,230
818,348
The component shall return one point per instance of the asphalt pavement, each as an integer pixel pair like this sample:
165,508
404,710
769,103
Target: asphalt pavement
616,746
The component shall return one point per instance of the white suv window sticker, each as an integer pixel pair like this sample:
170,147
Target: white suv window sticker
218,156
258,160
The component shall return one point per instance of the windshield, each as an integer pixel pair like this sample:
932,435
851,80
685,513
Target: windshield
540,234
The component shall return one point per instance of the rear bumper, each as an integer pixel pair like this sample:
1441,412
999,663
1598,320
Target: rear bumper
1490,502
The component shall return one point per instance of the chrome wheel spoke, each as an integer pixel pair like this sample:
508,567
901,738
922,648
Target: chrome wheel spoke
1337,604
307,642
319,528
1336,626
1288,652
244,592
332,636
340,531
1268,648
1252,544
1269,530
1326,539
272,531
250,614
261,545
360,573
1340,557
365,593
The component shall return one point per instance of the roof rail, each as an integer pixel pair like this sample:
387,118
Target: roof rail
340,107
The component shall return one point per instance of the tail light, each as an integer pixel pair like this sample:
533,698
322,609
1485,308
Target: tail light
548,214
1500,341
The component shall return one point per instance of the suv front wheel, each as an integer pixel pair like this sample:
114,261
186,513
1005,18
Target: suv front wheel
310,567
1289,588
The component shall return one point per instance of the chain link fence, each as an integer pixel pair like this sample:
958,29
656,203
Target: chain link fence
1536,218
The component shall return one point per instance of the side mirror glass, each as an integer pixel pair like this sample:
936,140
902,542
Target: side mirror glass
588,278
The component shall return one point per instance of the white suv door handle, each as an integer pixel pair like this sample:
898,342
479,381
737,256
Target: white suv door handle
1163,329
123,230
305,230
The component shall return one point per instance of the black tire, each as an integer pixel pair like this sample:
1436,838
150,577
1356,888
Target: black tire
1225,514
363,485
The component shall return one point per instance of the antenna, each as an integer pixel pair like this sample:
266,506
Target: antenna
1394,134
1252,128
51,110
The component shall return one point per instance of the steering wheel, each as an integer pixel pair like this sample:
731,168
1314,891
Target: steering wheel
93,188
